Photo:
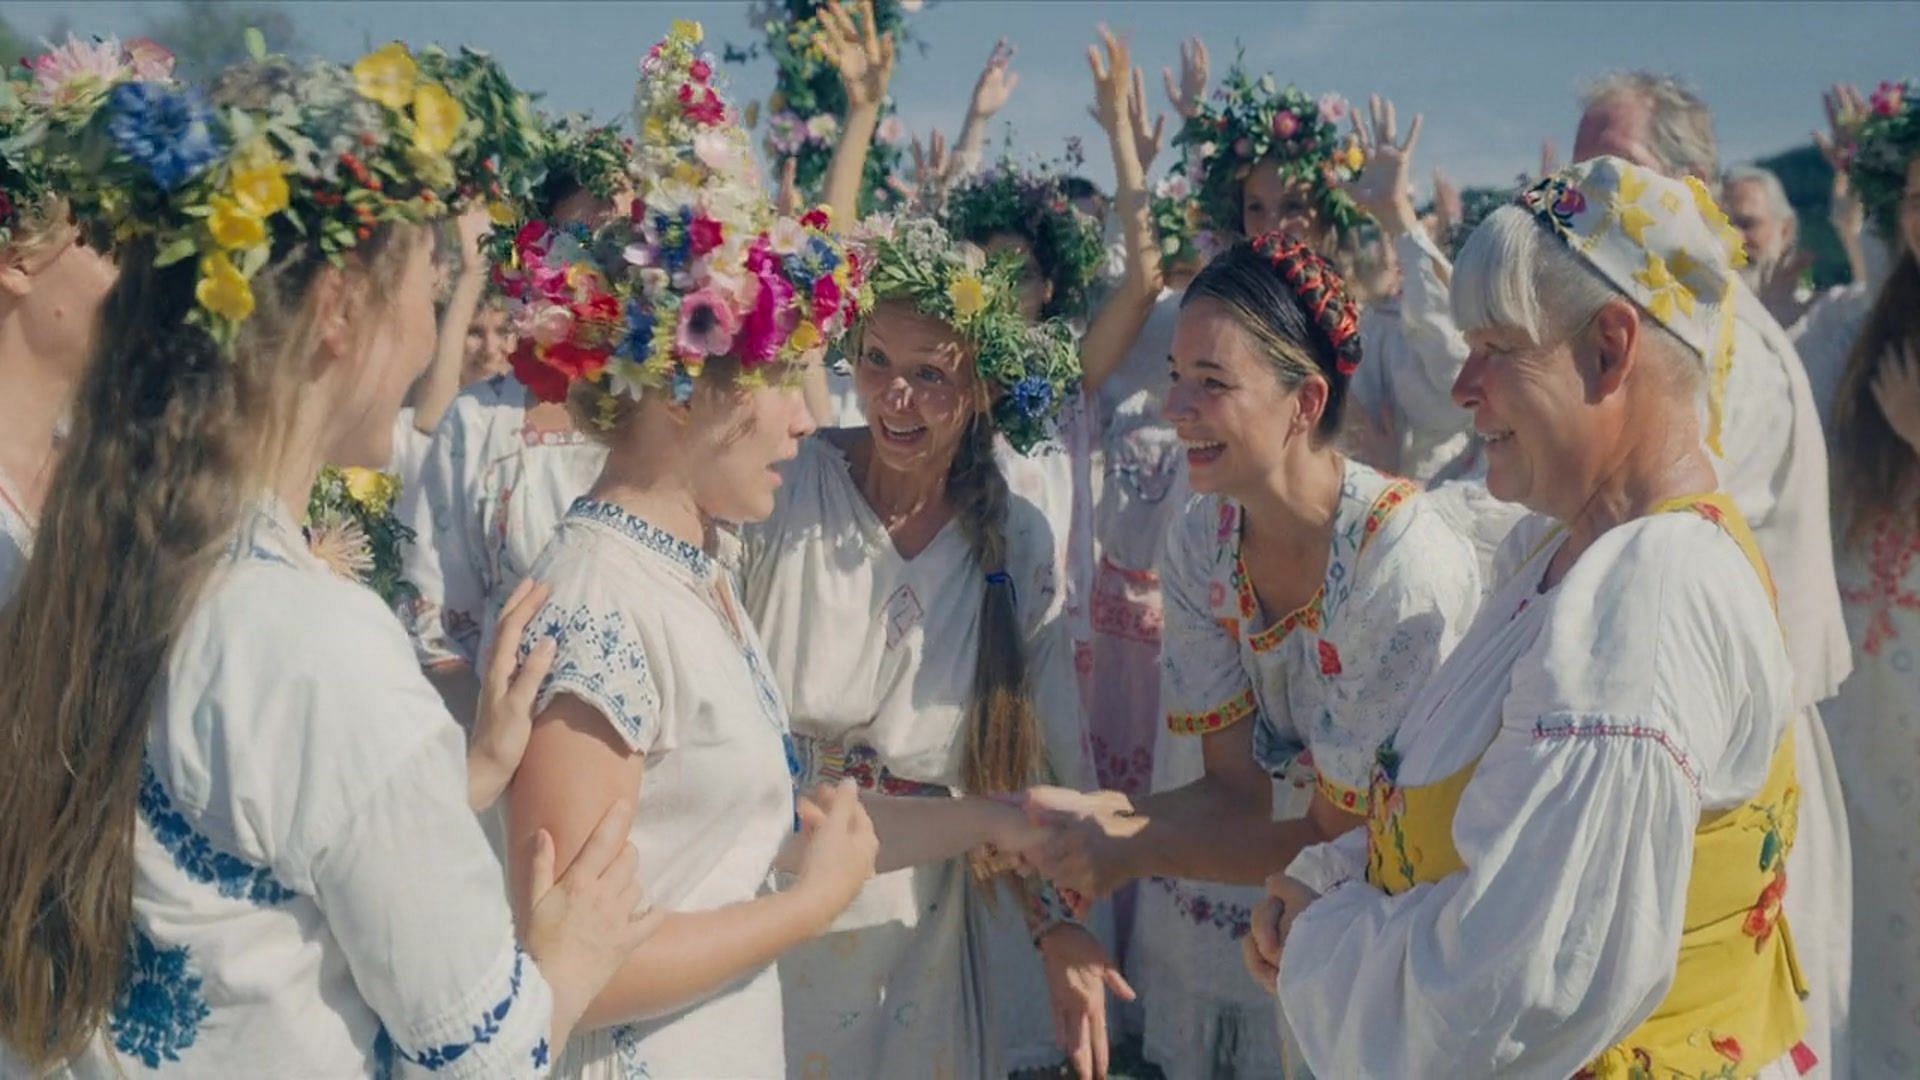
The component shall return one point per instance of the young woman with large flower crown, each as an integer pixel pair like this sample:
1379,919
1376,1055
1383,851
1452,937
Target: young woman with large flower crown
1876,453
677,335
260,849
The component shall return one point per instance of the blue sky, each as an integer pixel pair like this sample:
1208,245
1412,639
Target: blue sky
1492,78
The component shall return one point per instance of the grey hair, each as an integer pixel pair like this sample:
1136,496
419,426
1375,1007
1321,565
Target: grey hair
1777,203
1513,273
1680,131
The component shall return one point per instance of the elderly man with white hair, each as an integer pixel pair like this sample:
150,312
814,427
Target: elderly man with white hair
1575,843
1757,205
1775,467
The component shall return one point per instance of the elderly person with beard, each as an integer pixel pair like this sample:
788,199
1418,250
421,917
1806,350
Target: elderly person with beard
1774,465
1575,843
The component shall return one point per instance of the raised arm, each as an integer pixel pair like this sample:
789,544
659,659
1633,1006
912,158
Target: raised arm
990,95
864,57
438,387
1120,106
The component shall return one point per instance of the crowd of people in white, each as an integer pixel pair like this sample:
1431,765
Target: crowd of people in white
823,639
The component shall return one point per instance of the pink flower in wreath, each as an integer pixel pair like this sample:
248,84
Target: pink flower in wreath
707,324
1243,147
1570,202
1333,108
1888,100
1285,125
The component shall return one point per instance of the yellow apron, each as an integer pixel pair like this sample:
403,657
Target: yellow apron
1734,1006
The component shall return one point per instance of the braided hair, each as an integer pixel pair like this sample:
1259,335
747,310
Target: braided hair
1296,305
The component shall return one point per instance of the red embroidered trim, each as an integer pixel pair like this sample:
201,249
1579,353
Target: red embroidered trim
1627,731
1229,713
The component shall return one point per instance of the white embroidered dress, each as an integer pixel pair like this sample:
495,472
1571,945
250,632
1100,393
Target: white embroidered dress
1648,688
491,491
1875,725
875,656
651,637
1325,685
311,891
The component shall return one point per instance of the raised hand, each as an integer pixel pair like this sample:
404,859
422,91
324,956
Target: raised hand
1112,84
1190,93
1079,976
1147,144
996,84
863,56
1384,188
503,718
931,163
1447,204
1845,111
1896,387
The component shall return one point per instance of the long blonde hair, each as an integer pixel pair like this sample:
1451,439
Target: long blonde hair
171,439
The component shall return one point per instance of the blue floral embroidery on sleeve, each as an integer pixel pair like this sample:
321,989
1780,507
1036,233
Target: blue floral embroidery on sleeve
160,1007
439,1057
541,1054
599,659
194,854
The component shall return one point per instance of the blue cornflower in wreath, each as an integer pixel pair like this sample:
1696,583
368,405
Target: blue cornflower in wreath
160,1007
166,129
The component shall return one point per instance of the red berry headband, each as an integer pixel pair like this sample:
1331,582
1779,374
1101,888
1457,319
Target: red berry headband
1322,293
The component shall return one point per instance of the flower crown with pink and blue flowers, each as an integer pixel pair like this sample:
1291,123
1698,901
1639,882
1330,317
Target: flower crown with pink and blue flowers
699,270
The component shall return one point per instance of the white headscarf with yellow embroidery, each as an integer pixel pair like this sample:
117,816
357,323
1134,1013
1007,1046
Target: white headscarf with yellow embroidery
1663,242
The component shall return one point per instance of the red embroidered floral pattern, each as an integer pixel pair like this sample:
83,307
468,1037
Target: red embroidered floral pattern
1889,586
1229,713
1329,659
1765,913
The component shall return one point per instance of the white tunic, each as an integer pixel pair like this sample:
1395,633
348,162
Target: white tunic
1649,687
1325,685
310,887
875,654
651,638
491,491
1875,724
1411,354
410,449
1824,338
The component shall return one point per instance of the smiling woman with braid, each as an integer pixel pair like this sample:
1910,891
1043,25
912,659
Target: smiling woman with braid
1307,596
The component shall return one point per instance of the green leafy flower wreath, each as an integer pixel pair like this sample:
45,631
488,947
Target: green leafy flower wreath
1250,121
351,526
1035,207
1030,369
1885,144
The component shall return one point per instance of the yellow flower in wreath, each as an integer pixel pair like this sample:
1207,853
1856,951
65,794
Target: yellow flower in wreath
687,31
387,75
437,119
222,289
260,191
969,297
234,226
372,489
805,337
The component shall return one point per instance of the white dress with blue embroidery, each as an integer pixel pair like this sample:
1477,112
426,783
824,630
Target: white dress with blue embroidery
651,637
490,493
311,892
876,655
1324,685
